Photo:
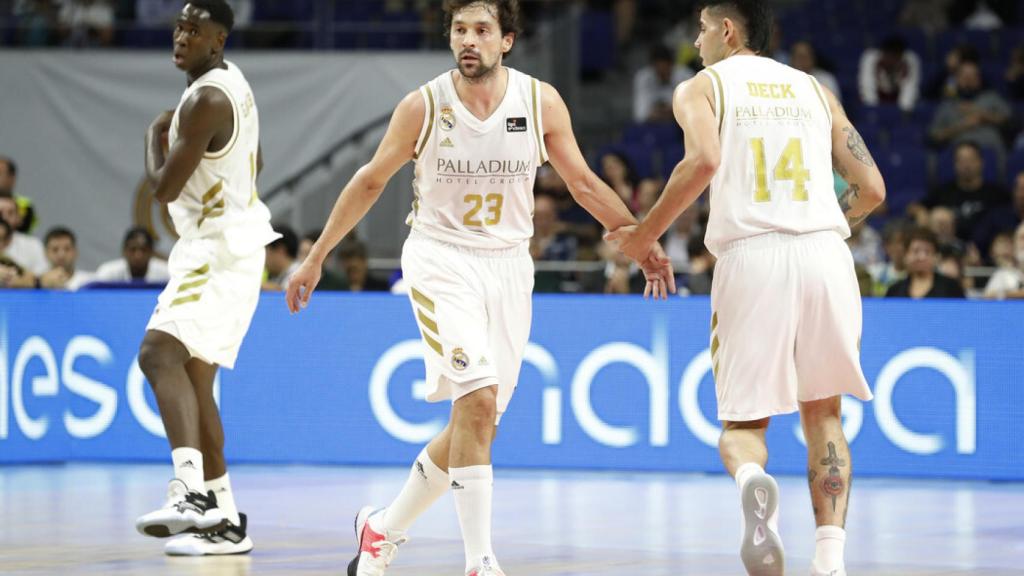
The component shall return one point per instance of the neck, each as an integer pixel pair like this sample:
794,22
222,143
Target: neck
922,276
739,51
970,182
485,91
215,61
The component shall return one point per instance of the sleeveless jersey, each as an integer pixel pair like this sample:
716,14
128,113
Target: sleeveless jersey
776,153
473,183
221,193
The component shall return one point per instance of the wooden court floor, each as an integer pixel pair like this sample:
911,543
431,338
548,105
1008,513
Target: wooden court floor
78,519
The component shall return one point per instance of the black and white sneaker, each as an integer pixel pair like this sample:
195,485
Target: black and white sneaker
185,511
231,539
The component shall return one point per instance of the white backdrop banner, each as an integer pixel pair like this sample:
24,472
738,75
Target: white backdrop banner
74,122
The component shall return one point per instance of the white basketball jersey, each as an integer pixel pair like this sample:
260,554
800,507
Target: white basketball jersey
474,178
776,149
221,193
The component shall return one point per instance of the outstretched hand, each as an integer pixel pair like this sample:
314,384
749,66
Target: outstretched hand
301,286
649,256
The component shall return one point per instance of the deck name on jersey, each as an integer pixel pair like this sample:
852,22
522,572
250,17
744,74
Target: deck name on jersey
775,91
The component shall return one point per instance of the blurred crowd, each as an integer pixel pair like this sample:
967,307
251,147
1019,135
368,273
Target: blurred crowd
936,88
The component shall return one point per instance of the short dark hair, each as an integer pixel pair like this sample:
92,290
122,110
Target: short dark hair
894,44
969,144
138,232
508,14
12,167
60,232
288,240
924,235
220,11
352,249
756,17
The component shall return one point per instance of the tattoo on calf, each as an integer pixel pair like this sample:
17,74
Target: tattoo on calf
833,484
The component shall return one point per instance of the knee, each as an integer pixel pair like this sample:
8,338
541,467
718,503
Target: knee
154,357
820,411
478,410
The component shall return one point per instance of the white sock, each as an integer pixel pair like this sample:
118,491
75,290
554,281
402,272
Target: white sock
188,467
425,485
828,549
221,488
473,489
746,471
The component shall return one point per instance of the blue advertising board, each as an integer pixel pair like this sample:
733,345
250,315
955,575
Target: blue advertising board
608,383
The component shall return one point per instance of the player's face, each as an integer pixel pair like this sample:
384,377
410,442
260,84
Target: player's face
477,42
711,40
196,38
61,253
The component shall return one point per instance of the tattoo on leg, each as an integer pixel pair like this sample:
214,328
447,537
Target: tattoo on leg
833,484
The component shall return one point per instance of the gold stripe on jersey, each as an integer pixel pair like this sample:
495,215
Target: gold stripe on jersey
423,300
252,177
198,271
433,343
534,88
427,322
430,122
211,212
213,191
824,104
721,97
715,344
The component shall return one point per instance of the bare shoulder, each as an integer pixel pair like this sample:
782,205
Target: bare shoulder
207,103
411,111
549,95
699,84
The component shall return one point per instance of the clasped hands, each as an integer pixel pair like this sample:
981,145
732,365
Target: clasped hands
649,256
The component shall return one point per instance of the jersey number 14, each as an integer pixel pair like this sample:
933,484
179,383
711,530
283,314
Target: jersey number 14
789,167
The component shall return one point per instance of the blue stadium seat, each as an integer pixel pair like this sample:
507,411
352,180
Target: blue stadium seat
597,41
1014,165
656,134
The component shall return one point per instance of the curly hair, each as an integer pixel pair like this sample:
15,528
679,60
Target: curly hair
508,14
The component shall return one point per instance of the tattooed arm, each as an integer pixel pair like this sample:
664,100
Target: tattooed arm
850,157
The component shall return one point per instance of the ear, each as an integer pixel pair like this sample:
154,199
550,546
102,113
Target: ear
729,30
507,41
222,38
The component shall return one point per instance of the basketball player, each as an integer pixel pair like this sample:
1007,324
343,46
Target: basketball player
477,135
786,311
208,179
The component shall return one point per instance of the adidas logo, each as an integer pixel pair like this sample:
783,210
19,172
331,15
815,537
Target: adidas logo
483,361
447,143
188,464
457,486
419,468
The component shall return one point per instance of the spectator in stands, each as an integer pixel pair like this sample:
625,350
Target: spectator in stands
26,250
654,84
942,222
968,195
87,23
137,263
677,239
576,221
306,243
974,114
1008,281
621,275
282,260
1001,218
942,83
12,274
1014,74
62,252
922,280
549,242
355,263
617,171
37,22
885,274
803,57
928,15
8,180
701,270
865,244
1001,254
890,74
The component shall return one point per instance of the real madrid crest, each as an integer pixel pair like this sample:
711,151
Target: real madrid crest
447,119
459,359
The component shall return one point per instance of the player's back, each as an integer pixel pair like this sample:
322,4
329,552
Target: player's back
776,153
221,193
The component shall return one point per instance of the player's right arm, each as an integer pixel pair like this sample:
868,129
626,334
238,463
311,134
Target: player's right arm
361,192
850,157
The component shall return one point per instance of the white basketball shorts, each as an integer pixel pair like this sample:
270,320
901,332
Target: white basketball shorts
474,308
786,324
211,297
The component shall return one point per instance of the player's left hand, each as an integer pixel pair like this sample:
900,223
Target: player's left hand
661,277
